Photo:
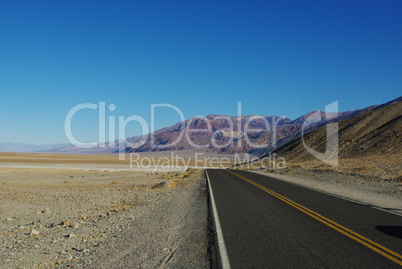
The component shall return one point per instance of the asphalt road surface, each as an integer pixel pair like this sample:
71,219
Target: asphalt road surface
268,223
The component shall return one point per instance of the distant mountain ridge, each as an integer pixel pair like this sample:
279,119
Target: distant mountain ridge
221,133
375,133
20,147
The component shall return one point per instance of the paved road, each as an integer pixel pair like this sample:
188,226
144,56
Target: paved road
268,223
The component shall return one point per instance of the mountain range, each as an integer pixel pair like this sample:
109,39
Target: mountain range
222,133
216,133
20,147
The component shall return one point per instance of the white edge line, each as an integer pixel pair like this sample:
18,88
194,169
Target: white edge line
331,194
221,241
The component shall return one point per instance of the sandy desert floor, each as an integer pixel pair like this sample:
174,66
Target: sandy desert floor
72,218
130,162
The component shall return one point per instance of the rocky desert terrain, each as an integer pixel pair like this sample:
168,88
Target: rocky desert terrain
98,219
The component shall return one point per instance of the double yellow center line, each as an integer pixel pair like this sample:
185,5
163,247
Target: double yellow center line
395,257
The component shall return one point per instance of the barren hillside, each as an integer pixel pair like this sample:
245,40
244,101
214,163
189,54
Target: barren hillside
372,134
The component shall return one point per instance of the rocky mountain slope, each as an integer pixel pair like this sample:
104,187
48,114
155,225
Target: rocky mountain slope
375,133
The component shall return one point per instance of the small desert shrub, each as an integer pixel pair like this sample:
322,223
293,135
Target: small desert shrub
159,185
173,183
67,181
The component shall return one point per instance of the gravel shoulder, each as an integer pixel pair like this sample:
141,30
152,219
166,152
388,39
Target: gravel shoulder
381,193
93,219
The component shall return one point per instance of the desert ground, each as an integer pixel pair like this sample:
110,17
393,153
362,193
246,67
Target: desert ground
53,214
112,161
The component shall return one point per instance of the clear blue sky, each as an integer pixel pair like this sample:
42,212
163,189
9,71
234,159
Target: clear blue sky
276,57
